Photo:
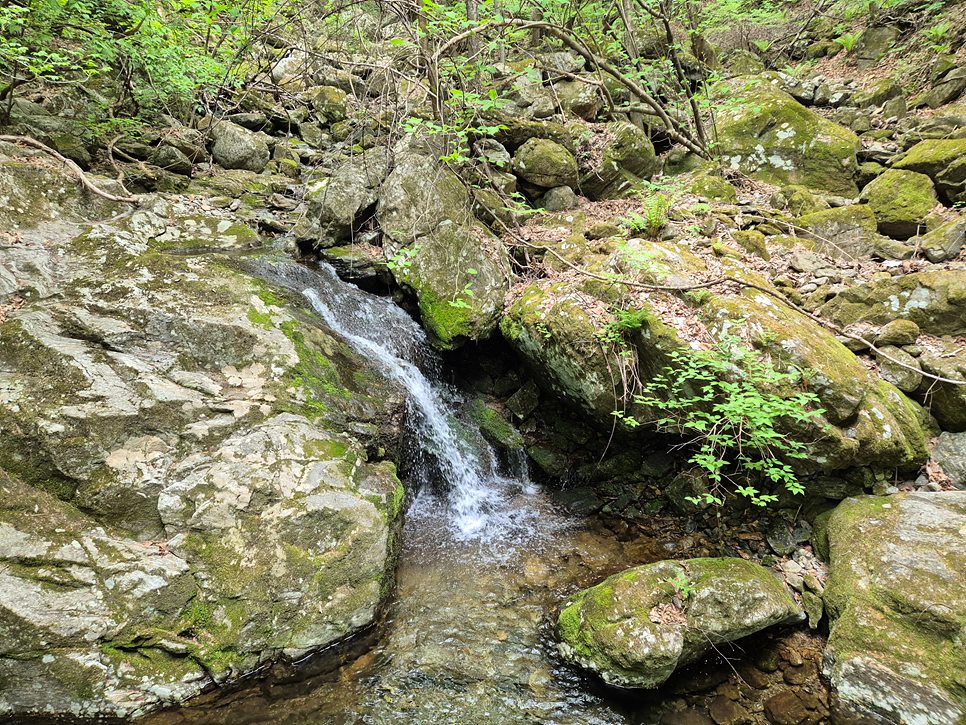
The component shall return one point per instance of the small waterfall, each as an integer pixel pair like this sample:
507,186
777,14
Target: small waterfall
482,503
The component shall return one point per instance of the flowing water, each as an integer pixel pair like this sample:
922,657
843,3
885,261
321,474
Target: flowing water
487,558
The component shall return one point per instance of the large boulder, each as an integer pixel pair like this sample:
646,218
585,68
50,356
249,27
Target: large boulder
558,330
896,597
235,147
767,134
946,358
935,299
844,231
457,268
181,504
636,628
627,157
901,201
545,164
943,161
338,201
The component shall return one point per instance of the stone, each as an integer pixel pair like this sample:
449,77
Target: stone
495,428
787,708
457,269
628,157
947,401
171,159
629,631
876,94
770,136
560,198
898,332
814,608
545,164
848,231
943,161
896,599
873,44
328,103
337,202
950,453
176,466
236,147
904,378
944,242
901,202
934,299
950,86
582,97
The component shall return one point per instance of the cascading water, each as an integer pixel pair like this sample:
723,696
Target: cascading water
483,504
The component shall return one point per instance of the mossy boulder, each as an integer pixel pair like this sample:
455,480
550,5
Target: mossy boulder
876,94
844,231
896,598
636,628
558,330
943,161
935,299
458,270
328,103
946,400
545,164
336,202
901,202
494,426
627,158
582,97
765,133
944,242
175,470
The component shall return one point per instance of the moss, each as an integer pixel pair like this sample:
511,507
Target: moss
448,321
546,164
901,202
767,134
494,426
326,449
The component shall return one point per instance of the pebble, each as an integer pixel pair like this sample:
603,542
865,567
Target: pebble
791,567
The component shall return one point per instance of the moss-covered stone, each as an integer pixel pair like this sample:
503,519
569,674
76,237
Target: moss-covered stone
627,158
934,299
631,632
901,202
545,164
765,133
943,161
844,230
895,597
494,426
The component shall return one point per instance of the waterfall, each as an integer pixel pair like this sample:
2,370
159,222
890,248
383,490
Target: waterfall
481,502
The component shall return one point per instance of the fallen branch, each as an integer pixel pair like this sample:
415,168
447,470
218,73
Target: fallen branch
78,171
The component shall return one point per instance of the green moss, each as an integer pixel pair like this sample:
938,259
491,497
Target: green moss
448,321
901,202
494,426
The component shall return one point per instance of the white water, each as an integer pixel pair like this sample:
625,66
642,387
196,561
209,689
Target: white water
483,504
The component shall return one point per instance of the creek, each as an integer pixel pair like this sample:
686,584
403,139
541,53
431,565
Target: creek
487,557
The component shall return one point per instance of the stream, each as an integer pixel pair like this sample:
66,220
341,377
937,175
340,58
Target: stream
487,559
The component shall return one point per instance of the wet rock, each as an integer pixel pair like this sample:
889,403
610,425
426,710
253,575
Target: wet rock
725,711
787,708
177,477
457,269
950,453
896,600
630,632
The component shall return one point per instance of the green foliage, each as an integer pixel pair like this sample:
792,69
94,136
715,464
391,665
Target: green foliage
652,216
848,41
163,52
731,401
938,36
402,261
682,587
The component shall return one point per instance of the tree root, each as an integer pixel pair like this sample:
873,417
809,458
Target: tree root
77,170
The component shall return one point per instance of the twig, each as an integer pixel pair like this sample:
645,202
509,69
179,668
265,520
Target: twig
78,171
